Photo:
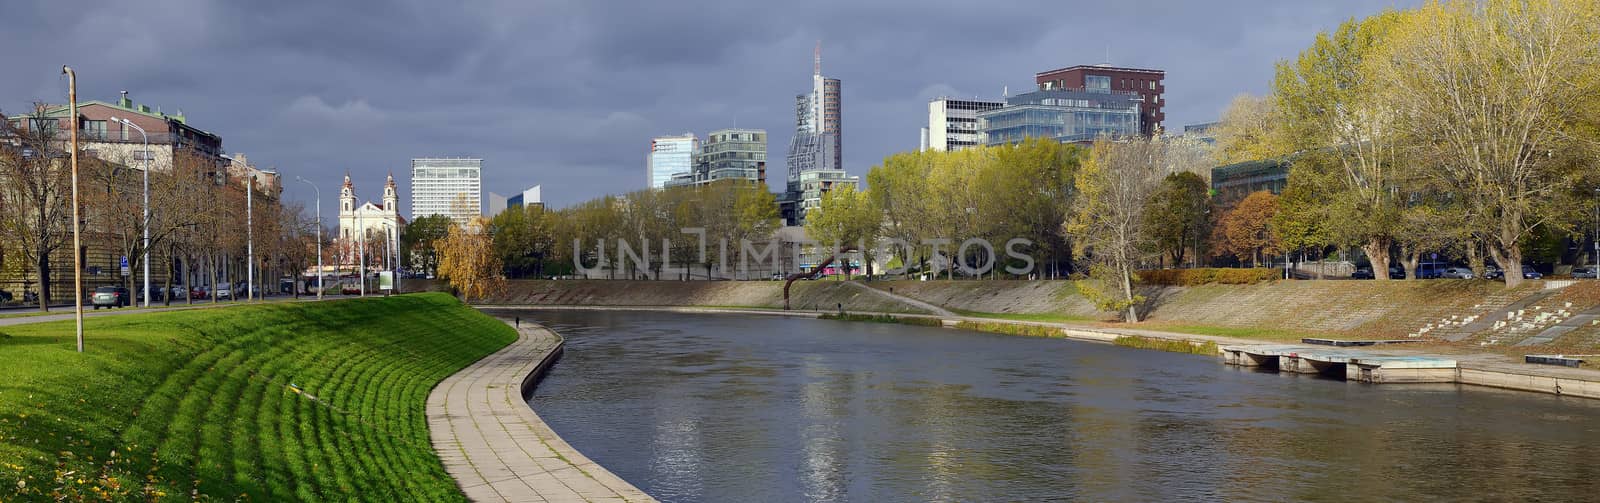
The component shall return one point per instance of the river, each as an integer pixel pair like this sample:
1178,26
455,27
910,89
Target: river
696,407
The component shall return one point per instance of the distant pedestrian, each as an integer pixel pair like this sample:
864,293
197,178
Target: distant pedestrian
519,321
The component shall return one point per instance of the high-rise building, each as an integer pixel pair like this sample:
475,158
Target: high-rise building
1108,79
528,197
816,147
728,154
447,186
953,123
1065,116
669,155
497,203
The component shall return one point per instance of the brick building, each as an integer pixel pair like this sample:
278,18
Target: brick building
1108,79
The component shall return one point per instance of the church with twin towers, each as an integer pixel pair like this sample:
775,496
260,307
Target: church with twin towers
381,222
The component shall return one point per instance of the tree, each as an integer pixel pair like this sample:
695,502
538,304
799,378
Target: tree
1246,231
417,251
35,195
1247,131
1301,222
1330,105
847,219
1177,215
1491,92
1108,221
467,260
524,238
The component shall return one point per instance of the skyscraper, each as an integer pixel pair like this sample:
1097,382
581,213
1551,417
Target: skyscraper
447,186
816,151
669,155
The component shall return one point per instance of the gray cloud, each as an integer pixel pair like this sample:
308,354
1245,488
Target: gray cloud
567,94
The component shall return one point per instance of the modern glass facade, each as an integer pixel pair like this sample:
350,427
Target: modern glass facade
736,154
438,183
1065,116
669,155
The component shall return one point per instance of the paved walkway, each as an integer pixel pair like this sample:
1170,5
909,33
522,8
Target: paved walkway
936,310
497,448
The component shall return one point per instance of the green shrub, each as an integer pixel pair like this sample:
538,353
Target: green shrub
1194,277
1207,348
883,318
1010,328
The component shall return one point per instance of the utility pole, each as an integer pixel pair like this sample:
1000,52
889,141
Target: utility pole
77,240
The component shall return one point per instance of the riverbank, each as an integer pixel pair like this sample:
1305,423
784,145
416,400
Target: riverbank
1477,369
496,446
1481,316
272,402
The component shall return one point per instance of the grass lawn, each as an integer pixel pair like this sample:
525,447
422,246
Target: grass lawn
266,402
1041,317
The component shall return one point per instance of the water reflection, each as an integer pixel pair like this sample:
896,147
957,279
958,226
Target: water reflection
734,408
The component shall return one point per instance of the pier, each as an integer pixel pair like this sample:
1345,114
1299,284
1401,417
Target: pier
1363,366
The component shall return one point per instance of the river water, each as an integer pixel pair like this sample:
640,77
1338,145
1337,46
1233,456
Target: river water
753,408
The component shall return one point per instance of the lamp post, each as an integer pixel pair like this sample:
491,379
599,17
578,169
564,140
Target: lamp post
77,241
146,243
361,250
1597,227
319,233
250,238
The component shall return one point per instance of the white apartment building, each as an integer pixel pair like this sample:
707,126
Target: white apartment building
953,123
447,186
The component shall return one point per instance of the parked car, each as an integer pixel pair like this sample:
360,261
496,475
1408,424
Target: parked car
111,296
224,291
180,293
1583,273
1456,273
1529,273
199,292
1493,272
1362,273
1397,272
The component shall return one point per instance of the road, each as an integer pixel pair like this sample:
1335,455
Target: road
65,312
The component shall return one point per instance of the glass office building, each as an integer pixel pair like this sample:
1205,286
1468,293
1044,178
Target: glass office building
1065,116
447,186
669,155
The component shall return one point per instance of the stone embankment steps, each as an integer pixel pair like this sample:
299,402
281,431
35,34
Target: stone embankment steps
497,448
1498,306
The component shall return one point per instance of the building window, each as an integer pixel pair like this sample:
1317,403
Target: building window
1097,83
1152,85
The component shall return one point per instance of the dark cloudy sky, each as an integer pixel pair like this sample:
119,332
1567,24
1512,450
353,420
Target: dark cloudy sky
568,94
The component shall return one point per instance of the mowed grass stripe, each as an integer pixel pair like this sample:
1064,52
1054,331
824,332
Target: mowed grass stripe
198,403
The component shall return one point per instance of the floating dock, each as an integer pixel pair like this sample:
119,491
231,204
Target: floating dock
1360,366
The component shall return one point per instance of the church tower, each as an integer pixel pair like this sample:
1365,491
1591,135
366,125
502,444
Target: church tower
347,197
391,201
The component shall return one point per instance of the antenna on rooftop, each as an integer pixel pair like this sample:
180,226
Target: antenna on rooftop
816,65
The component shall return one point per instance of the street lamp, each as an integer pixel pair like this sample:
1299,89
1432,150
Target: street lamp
319,233
361,249
250,238
77,224
146,246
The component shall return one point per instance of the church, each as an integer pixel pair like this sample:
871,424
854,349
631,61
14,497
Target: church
382,223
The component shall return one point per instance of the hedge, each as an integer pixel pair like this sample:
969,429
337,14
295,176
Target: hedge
1192,277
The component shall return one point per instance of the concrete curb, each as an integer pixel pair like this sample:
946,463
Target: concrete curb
497,448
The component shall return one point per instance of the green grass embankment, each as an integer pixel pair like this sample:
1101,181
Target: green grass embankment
276,402
883,318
